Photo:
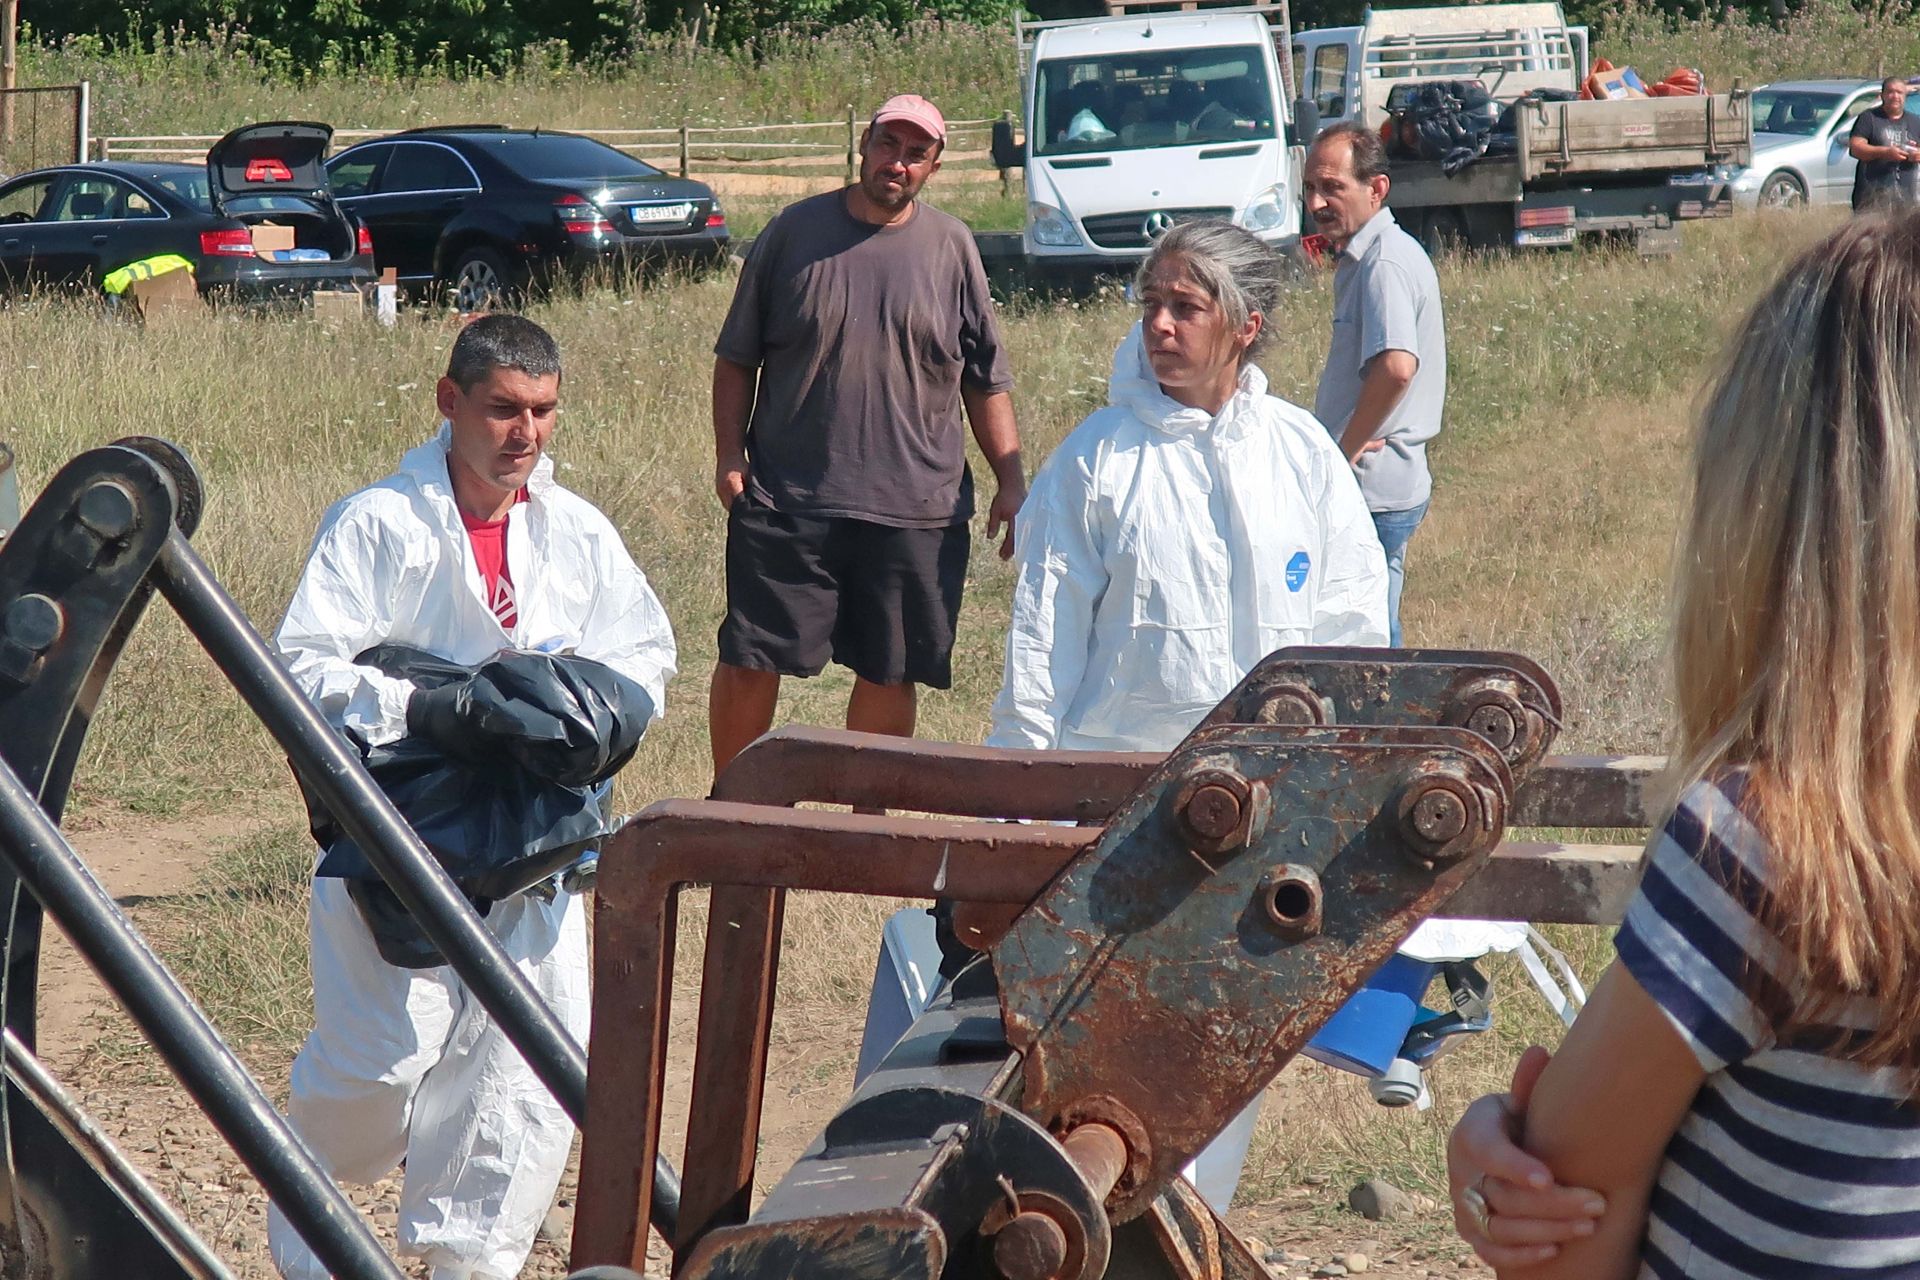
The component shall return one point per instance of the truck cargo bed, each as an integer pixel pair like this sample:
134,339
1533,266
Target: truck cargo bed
1569,139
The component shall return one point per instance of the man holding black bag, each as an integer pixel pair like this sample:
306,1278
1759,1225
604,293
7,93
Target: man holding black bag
469,549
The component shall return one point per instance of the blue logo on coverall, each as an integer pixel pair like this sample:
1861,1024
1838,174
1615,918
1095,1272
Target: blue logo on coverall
1297,570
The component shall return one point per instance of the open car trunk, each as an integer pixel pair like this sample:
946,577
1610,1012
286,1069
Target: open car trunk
272,175
318,226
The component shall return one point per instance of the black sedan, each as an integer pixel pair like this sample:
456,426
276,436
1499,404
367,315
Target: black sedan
73,225
490,212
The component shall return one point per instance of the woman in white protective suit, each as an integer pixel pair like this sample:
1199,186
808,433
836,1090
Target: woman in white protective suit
1188,529
1181,534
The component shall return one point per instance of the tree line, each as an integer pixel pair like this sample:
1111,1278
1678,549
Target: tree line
495,34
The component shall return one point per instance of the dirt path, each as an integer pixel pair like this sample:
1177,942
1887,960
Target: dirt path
147,865
141,866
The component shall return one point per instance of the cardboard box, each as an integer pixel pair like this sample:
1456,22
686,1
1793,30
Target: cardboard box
269,238
1616,84
165,297
337,306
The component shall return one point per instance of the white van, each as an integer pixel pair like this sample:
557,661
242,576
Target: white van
1135,123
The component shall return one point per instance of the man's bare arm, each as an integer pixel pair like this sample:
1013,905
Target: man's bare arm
990,414
733,390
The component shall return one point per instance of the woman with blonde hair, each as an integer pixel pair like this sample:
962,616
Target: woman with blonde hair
1738,1098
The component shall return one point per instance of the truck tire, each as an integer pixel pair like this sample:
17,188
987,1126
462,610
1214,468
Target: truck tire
1782,190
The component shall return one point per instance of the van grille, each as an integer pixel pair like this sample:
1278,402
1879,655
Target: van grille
1129,230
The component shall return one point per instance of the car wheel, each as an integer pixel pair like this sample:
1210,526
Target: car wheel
1782,191
482,281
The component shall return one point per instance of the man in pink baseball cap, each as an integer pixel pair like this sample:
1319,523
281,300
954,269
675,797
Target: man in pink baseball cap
861,331
915,110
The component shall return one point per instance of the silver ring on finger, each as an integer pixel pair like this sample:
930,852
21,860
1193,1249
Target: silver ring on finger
1474,1201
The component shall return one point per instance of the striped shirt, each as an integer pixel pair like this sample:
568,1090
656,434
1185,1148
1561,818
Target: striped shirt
1792,1163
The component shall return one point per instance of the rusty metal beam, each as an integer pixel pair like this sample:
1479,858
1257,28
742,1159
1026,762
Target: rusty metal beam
797,764
838,766
735,846
1588,791
680,842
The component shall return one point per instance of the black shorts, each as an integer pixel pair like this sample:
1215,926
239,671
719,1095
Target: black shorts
804,589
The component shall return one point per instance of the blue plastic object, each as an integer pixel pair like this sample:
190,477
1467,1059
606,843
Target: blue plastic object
1365,1034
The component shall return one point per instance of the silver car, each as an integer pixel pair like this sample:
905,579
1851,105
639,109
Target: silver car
1800,132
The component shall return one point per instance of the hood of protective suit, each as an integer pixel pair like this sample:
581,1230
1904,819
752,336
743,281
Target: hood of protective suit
1164,551
392,564
1132,387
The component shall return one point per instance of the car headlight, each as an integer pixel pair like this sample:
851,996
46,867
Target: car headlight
1051,226
1266,213
1746,179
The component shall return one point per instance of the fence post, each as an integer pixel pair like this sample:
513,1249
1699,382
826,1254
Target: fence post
853,165
1006,175
82,122
9,21
683,148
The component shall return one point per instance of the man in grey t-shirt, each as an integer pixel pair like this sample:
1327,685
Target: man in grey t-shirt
1385,382
860,329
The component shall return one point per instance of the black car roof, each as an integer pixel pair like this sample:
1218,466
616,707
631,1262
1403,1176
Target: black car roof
117,168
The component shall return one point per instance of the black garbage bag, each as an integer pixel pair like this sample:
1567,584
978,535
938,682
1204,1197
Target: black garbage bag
560,717
502,777
1447,121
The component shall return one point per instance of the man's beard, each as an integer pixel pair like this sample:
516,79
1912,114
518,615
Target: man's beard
877,191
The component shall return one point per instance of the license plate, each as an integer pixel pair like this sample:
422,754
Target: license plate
1543,236
659,212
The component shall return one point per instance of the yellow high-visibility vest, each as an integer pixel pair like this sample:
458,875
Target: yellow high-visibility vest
145,269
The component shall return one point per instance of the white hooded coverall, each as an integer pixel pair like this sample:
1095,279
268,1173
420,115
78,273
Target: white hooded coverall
1164,551
404,1063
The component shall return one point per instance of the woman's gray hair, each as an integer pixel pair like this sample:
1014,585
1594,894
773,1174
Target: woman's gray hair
1233,266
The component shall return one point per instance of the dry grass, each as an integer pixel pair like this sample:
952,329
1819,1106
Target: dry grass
1558,480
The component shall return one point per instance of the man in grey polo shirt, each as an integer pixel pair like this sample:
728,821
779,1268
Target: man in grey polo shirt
1385,383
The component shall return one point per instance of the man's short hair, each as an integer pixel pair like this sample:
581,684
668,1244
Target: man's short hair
1365,151
1893,80
502,342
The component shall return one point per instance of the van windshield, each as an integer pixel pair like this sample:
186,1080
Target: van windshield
1125,102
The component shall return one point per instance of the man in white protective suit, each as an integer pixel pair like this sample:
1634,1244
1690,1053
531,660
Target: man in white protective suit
469,548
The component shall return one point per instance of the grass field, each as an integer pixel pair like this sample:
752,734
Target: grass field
1557,483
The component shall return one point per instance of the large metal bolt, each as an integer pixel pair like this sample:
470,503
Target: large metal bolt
1290,704
108,510
1213,811
1439,816
1213,808
34,622
31,626
1032,1246
1496,724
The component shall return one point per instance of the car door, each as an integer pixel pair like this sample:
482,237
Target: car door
423,187
354,175
1836,182
86,230
22,203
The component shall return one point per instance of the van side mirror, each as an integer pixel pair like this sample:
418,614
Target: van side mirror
1306,121
1006,152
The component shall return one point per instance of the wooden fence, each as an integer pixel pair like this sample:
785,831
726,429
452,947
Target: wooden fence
800,150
